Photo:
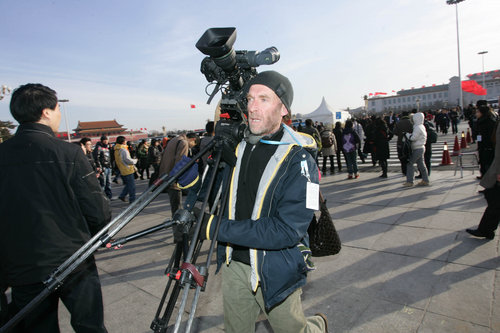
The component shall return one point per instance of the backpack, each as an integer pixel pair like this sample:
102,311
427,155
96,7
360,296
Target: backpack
348,142
326,139
406,148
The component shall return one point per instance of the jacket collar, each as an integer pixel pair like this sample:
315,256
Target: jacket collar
34,127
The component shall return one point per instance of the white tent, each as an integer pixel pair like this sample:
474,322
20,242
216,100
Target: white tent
323,114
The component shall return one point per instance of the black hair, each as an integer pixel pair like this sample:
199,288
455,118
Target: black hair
191,135
29,100
309,122
120,140
209,127
348,123
83,141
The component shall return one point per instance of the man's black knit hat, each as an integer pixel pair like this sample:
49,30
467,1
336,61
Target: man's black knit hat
278,83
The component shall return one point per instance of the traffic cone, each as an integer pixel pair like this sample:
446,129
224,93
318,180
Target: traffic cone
463,142
469,137
446,160
456,147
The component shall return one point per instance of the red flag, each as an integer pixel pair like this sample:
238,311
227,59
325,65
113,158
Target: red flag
193,106
394,91
370,94
145,129
473,87
141,128
380,93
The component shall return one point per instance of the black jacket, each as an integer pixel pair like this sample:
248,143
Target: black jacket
102,155
485,127
51,203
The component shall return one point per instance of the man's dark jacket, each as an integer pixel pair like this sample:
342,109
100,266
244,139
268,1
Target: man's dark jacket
51,203
102,155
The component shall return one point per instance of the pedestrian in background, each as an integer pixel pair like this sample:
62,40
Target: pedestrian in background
337,131
329,148
126,165
142,156
382,136
102,157
491,183
418,138
485,128
403,126
350,141
358,128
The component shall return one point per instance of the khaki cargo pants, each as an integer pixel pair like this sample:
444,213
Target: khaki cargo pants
242,306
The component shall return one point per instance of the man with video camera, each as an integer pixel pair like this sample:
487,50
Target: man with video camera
263,236
51,205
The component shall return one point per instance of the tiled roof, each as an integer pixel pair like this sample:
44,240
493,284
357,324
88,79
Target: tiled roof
89,125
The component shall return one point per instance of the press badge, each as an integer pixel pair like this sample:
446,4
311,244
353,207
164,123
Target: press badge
312,190
312,196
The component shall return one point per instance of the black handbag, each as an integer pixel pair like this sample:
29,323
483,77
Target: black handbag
323,237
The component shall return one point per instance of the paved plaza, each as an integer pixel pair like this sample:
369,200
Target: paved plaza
406,265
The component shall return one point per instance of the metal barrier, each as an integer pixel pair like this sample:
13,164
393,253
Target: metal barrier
460,164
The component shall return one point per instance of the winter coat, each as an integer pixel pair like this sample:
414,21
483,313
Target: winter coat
52,203
329,151
125,163
279,219
102,155
419,134
485,127
490,177
345,133
381,139
402,126
359,130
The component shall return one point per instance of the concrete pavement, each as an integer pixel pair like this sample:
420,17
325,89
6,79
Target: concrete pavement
406,264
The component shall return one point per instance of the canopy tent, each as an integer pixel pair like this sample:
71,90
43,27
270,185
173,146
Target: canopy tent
323,114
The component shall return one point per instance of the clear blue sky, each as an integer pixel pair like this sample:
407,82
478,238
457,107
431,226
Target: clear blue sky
135,61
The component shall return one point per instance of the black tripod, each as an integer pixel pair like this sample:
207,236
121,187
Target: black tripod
186,276
103,237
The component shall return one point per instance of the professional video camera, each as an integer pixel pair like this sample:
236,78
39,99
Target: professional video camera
231,70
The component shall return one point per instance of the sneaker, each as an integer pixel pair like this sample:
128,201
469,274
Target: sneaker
356,176
419,177
349,177
423,183
384,175
323,316
407,184
122,199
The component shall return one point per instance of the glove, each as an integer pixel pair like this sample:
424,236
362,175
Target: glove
183,220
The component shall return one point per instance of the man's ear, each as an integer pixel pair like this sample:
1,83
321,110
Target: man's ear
46,113
284,111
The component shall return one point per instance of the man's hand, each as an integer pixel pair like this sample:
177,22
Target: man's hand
498,177
183,220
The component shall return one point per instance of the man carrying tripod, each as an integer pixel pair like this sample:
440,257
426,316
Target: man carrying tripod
51,205
263,267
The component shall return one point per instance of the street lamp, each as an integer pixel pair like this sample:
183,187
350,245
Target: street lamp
482,53
460,102
65,116
418,104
